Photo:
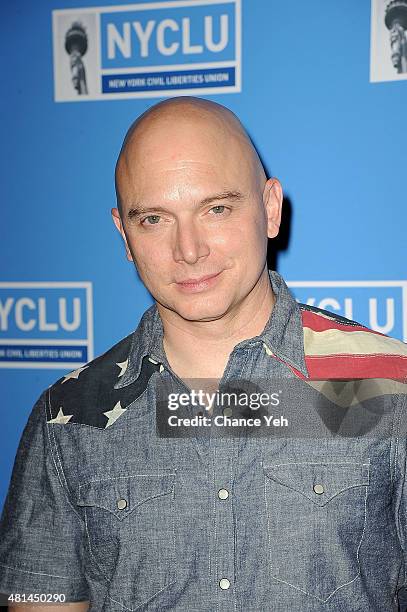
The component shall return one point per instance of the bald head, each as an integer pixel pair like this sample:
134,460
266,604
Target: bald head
185,129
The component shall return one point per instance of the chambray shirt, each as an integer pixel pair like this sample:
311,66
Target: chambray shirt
102,507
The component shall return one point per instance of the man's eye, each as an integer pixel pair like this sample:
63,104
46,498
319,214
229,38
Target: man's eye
152,220
218,209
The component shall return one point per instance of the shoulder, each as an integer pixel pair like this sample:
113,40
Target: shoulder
83,395
104,368
336,347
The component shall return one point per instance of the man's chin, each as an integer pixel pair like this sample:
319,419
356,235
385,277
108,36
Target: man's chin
200,311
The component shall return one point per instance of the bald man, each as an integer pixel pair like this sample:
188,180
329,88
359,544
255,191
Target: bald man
112,508
195,214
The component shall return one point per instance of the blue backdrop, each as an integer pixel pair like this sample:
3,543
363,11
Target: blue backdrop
333,138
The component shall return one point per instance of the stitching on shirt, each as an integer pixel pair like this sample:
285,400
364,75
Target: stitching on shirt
127,477
290,364
129,510
393,442
342,585
91,551
327,314
319,500
173,531
51,433
329,498
317,463
145,602
17,569
396,450
233,523
268,523
209,537
235,443
356,356
209,531
108,580
403,484
215,529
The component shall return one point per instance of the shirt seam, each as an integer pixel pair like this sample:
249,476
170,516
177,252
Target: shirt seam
403,484
17,569
52,442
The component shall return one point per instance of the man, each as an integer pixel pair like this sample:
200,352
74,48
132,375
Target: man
108,512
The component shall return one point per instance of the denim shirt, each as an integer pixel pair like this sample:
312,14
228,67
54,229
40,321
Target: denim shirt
102,508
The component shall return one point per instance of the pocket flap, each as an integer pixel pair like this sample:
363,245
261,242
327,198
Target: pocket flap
319,481
123,494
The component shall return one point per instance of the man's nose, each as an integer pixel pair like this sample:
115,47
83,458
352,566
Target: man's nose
190,243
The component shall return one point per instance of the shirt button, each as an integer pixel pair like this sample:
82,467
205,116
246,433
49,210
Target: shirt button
227,412
318,489
200,413
121,504
224,583
223,493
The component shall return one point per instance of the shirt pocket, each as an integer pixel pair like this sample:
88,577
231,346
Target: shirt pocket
130,528
316,516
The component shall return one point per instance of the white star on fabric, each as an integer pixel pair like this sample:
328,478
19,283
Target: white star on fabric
74,374
267,349
161,368
61,417
123,367
114,414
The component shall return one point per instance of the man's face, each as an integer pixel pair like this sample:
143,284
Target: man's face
192,209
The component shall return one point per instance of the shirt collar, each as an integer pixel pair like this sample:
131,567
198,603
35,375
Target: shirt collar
147,340
283,335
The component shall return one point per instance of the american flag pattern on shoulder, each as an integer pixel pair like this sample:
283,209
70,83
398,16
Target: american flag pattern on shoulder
336,347
88,395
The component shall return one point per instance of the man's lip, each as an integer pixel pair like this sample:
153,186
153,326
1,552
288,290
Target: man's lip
195,281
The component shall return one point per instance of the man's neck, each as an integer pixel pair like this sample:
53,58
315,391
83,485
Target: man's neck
201,349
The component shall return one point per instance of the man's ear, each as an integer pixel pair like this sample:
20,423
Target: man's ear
273,201
119,225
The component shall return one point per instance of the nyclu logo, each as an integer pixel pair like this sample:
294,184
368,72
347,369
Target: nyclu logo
144,50
45,324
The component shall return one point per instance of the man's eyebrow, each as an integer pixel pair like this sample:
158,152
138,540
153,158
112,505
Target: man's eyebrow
138,209
235,196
